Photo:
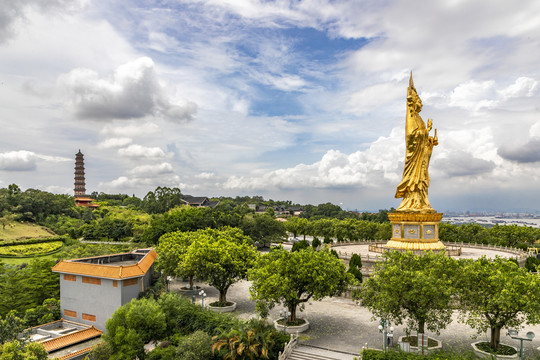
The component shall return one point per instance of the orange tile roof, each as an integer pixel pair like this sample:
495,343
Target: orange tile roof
107,271
70,339
77,353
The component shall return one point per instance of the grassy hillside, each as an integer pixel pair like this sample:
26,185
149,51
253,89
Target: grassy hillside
17,230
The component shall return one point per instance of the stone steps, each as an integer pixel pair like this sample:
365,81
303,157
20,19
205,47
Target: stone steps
302,355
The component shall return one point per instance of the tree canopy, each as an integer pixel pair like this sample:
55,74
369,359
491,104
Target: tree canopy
413,288
293,278
498,293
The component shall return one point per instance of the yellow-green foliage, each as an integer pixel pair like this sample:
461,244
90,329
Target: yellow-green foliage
17,230
30,249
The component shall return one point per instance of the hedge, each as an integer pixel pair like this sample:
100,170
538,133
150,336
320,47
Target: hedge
370,354
31,250
33,241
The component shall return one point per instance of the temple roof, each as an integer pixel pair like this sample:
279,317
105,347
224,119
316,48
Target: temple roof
83,266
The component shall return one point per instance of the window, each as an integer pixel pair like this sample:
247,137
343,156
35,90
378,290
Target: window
70,313
70,277
115,283
129,282
89,317
89,280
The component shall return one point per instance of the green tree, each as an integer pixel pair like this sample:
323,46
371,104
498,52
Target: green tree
497,293
133,325
415,288
316,243
252,340
172,250
45,313
221,258
297,246
10,327
16,350
355,264
293,278
195,346
263,229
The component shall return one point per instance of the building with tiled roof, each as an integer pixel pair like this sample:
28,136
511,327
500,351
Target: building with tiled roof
66,339
91,289
198,201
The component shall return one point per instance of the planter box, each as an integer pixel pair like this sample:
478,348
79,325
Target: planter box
426,350
485,355
292,329
188,291
222,309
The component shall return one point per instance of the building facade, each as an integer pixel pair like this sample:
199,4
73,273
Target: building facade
91,289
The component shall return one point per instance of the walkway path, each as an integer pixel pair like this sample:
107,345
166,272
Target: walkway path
341,324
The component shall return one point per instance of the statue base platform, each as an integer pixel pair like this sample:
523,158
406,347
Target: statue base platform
415,231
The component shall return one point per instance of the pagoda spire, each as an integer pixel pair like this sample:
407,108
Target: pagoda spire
80,183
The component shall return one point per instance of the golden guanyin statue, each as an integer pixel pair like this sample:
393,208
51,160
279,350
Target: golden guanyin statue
419,145
415,225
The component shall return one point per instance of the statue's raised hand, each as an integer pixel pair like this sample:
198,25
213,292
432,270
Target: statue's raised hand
429,124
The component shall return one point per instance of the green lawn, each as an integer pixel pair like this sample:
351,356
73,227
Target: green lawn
19,261
19,230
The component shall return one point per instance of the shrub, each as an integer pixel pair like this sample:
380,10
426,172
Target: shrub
196,346
304,244
531,264
316,242
370,354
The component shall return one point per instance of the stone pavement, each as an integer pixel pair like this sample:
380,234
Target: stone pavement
341,324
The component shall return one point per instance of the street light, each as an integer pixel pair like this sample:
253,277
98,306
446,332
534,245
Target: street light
203,296
387,335
284,314
514,335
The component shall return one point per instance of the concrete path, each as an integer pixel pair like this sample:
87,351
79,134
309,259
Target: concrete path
341,324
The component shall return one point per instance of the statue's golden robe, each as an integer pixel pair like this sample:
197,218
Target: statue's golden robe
419,145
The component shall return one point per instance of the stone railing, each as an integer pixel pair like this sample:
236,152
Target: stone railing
289,347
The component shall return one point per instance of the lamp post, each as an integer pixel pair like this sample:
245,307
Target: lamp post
284,314
514,335
203,296
388,332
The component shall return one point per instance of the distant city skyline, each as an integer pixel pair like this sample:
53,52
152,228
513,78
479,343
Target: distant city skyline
289,100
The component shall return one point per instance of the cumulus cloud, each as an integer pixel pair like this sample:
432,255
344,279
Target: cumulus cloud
374,167
527,153
12,11
115,143
152,170
139,151
134,91
461,163
147,176
21,160
130,130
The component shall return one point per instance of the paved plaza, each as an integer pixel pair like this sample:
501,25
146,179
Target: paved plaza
341,324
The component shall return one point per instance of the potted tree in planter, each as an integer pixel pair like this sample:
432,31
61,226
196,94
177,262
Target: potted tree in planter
413,288
221,258
497,294
294,278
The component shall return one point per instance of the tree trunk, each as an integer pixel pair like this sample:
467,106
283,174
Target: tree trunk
421,325
222,297
495,337
191,282
292,310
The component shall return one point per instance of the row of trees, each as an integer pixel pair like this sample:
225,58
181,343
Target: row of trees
424,290
225,256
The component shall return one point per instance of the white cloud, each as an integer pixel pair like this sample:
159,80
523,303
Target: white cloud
134,129
152,170
377,166
139,151
523,87
133,92
115,142
21,160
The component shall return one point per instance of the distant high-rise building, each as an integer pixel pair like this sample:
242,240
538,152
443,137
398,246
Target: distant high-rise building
80,185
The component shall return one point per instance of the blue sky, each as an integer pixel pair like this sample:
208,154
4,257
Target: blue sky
291,100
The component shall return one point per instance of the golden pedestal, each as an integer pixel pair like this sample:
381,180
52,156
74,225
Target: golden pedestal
415,231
